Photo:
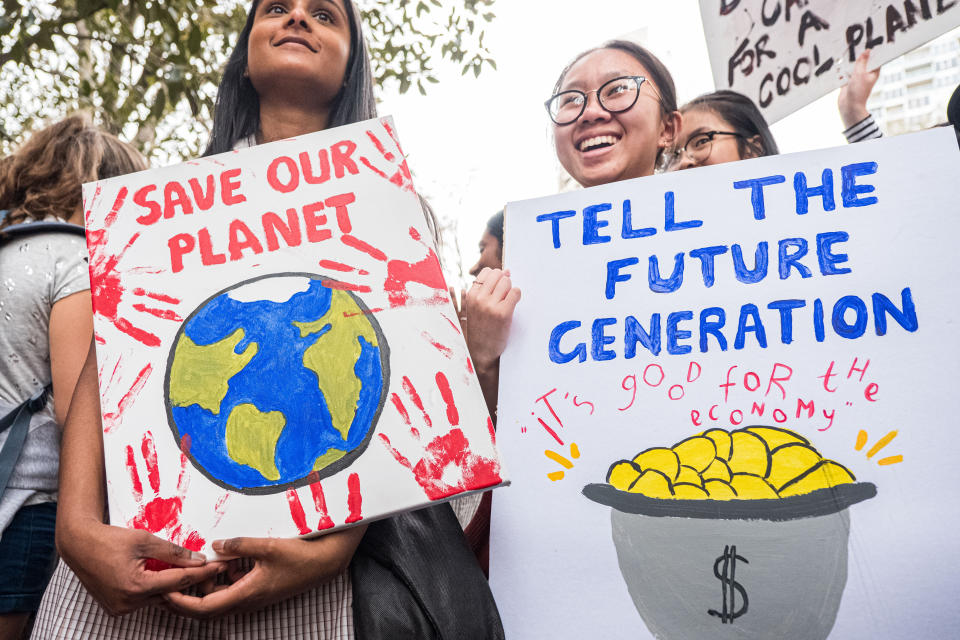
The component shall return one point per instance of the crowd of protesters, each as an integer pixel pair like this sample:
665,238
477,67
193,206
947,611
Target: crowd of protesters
298,66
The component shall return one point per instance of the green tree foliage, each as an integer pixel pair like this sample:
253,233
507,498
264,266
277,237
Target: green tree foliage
148,69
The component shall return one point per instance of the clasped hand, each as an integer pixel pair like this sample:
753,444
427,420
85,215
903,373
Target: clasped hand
282,568
112,563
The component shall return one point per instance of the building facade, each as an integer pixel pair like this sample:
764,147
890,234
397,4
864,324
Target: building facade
913,90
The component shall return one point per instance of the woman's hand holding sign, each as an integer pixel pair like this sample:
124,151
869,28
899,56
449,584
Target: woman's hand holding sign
488,308
282,568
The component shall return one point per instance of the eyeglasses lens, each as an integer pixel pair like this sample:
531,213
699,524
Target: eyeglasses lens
619,94
566,107
698,149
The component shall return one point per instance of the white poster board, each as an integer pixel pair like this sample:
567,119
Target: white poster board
784,54
830,316
277,350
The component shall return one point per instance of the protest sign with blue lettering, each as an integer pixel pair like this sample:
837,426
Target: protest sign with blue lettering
728,401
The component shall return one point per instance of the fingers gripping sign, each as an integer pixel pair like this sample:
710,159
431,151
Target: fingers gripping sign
488,307
282,567
155,513
117,571
159,514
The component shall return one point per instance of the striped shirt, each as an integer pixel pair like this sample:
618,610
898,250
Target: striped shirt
866,129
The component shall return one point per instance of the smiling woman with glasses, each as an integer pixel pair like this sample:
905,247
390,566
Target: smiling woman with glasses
723,126
603,131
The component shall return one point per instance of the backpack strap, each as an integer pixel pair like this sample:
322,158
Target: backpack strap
18,421
39,226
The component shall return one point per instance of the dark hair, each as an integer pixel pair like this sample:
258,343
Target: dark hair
236,114
495,227
43,177
658,74
745,118
953,111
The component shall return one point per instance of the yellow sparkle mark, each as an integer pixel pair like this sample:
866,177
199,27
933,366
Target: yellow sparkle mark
881,443
562,461
559,459
861,439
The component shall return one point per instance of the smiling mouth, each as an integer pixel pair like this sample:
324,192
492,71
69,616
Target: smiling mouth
597,142
299,41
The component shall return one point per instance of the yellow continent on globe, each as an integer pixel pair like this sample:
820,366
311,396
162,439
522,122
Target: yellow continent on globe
753,463
340,344
252,438
201,374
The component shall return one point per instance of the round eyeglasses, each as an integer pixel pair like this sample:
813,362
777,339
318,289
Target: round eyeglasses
697,148
614,96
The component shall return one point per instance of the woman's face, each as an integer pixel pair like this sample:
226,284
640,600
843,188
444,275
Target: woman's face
491,254
723,148
602,147
299,46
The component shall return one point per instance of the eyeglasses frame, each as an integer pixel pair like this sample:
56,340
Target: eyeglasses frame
640,80
674,156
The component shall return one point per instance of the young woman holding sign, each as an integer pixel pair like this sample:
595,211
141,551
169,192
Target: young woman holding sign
299,66
614,112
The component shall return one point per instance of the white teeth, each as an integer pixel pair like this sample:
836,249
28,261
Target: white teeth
596,141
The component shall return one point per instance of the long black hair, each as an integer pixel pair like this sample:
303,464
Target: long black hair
745,118
659,74
236,114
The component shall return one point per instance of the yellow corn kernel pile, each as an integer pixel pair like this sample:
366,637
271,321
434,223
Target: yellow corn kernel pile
746,464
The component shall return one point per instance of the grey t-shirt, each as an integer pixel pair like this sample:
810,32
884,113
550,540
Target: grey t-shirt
36,271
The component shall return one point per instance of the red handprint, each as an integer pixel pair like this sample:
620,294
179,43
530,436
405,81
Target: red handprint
354,503
392,165
112,418
157,514
106,287
448,465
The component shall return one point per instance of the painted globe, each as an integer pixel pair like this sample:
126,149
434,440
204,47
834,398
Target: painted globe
276,382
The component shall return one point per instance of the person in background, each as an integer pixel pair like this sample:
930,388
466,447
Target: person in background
477,530
45,330
718,127
491,245
858,124
475,308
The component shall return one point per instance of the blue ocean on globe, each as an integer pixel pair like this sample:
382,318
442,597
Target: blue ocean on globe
276,382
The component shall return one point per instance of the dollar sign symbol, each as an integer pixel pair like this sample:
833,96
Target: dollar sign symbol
725,568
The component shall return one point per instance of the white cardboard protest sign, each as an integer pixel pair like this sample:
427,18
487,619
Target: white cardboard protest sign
814,294
784,54
277,350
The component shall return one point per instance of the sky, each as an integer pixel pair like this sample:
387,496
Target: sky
475,144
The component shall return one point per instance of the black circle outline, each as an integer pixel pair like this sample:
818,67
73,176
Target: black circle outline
313,476
819,502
